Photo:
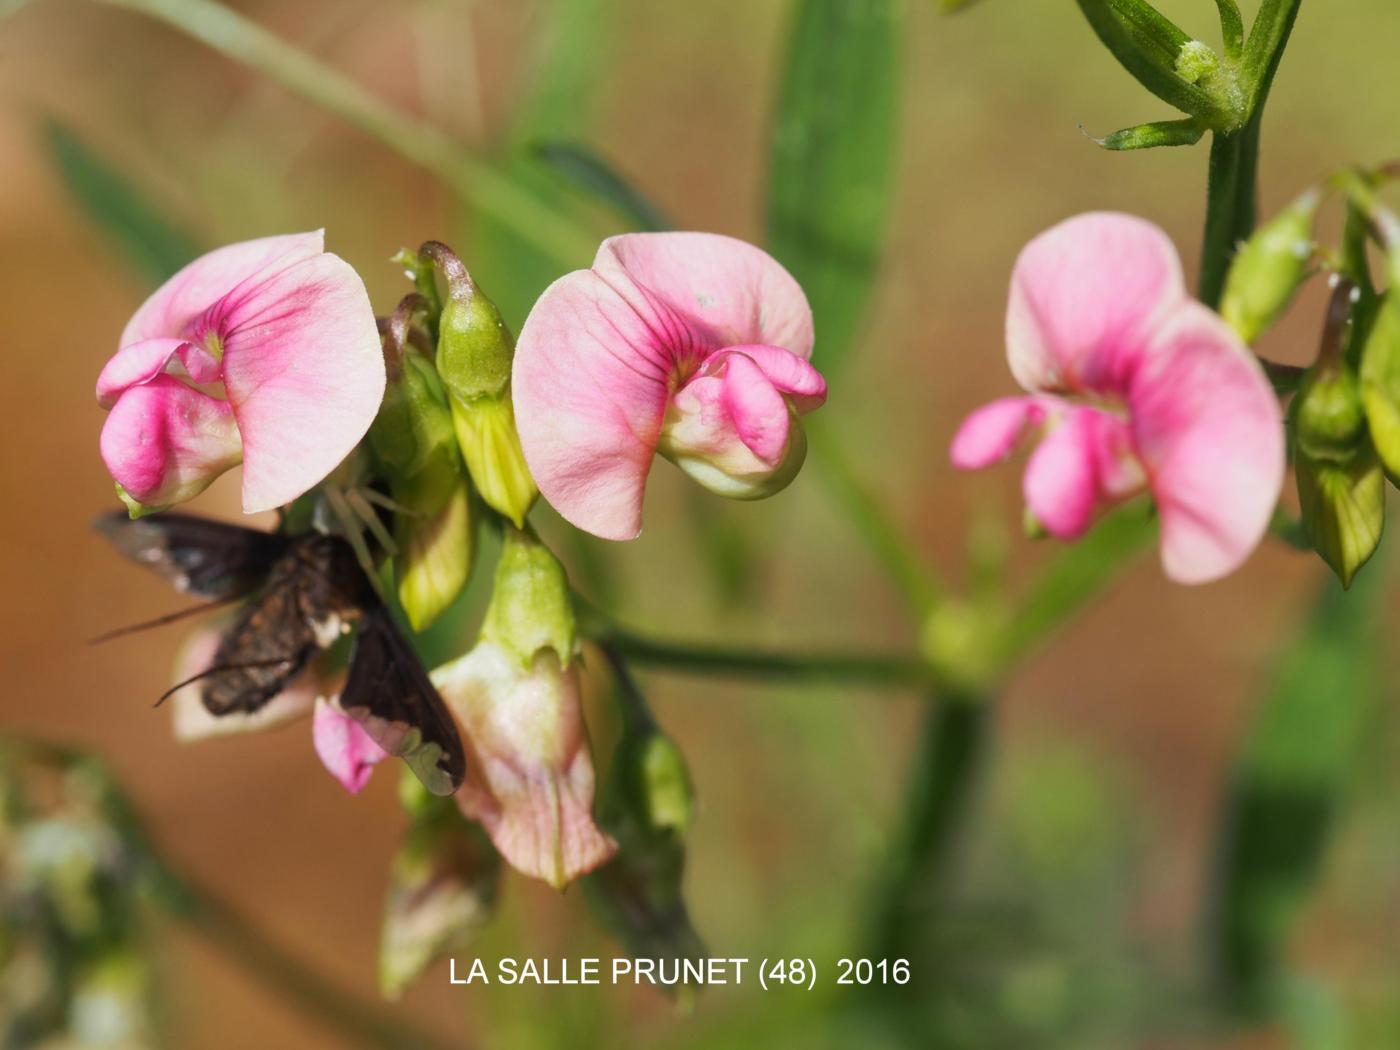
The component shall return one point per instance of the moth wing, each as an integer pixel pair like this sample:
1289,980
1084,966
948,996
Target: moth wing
198,555
388,692
266,646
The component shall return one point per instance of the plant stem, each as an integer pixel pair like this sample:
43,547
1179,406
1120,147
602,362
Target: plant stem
354,1018
879,670
939,790
488,188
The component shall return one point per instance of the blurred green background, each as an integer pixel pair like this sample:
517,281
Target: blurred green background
1074,911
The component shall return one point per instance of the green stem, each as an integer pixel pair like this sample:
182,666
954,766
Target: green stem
1231,205
869,669
937,798
356,1019
488,188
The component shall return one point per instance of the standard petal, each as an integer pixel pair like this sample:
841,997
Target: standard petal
1207,426
345,749
589,387
992,432
1084,464
729,291
304,373
164,442
175,304
1085,297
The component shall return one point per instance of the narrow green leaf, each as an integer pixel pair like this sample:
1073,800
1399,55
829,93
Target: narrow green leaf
1159,133
583,167
1289,781
833,158
1149,48
153,246
1231,27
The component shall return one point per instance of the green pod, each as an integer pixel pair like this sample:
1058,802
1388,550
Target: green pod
1269,268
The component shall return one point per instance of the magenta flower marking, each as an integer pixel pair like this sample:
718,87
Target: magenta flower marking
693,345
264,352
1136,387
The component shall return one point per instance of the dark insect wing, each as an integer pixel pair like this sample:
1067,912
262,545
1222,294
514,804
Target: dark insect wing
266,646
389,693
197,555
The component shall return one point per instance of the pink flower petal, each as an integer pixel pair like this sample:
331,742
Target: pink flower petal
1085,296
133,365
603,348
304,373
756,410
172,308
992,433
792,375
1084,463
719,289
345,749
164,442
1207,426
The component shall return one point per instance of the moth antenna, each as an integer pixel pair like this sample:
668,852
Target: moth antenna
161,621
218,669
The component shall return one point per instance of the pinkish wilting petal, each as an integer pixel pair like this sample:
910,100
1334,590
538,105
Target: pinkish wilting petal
1085,297
529,769
1207,426
345,749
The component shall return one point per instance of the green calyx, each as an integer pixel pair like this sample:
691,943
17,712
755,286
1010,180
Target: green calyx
531,607
1329,420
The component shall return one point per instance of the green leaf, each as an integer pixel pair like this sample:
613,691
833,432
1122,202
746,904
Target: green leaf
1159,133
1289,781
580,165
1148,46
154,247
833,158
1343,508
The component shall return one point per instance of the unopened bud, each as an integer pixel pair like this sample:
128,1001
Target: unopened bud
1380,383
416,449
1269,268
474,354
530,608
442,890
490,444
1329,419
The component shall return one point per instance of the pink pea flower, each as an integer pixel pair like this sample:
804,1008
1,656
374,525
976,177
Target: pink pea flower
263,352
1135,386
343,746
693,345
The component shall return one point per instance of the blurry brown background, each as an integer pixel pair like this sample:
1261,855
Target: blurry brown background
1141,700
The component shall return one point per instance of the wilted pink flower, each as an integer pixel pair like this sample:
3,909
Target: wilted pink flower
693,345
342,744
1168,399
264,352
529,771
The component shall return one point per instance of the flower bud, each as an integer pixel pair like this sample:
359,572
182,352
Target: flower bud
1328,418
442,889
531,609
1380,383
647,806
474,354
1269,268
415,447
